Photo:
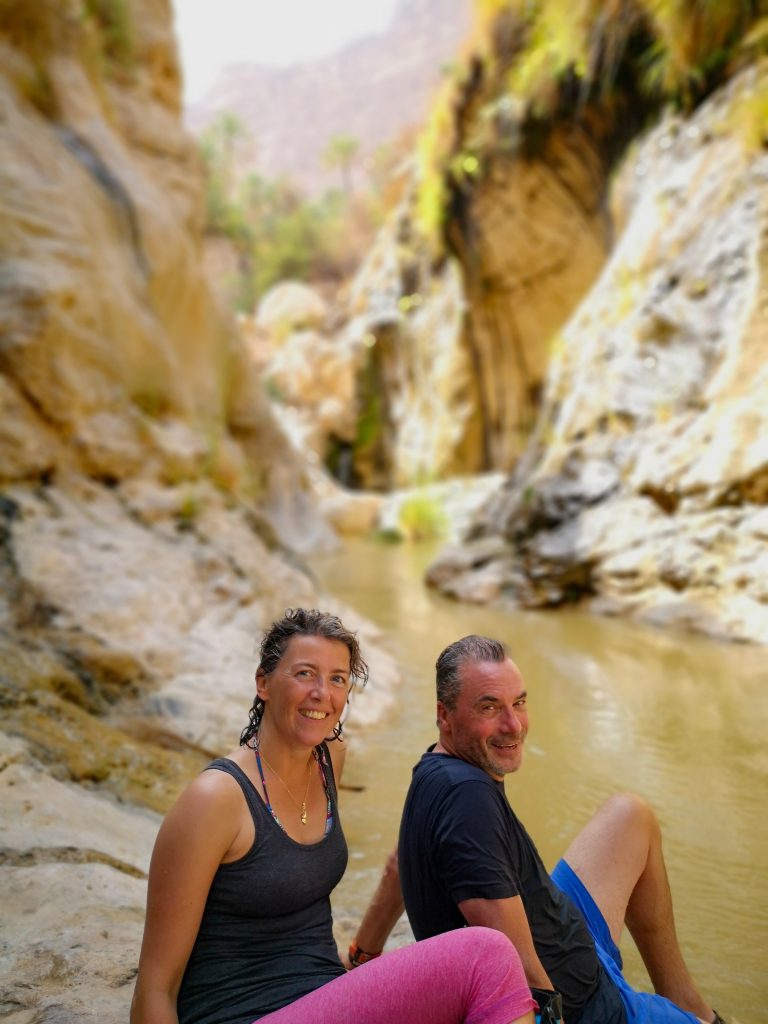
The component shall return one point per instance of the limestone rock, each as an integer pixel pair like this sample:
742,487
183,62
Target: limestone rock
115,361
649,467
151,506
416,392
532,238
313,378
129,629
73,866
290,306
71,942
39,816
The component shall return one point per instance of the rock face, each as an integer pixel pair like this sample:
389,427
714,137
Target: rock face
644,489
309,373
538,238
415,399
114,357
385,399
147,498
416,385
458,348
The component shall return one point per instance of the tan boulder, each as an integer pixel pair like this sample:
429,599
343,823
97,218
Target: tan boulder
70,946
290,306
313,380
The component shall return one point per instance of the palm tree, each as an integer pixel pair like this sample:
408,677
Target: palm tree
341,152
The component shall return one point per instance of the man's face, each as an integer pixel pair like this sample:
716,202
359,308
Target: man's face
489,723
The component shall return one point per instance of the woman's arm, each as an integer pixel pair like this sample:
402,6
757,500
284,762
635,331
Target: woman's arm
206,823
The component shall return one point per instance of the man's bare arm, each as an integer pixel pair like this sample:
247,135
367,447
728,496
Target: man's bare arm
508,916
383,911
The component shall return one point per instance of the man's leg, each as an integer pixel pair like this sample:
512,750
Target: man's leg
619,859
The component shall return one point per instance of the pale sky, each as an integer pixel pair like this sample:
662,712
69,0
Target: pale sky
214,33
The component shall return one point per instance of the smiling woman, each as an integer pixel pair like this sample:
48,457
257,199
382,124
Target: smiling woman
239,923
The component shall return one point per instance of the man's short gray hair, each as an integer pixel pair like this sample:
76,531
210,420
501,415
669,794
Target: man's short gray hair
470,649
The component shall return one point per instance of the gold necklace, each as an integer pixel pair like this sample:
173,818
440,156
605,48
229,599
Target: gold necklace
303,805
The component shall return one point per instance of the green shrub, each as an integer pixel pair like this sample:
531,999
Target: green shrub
115,24
422,517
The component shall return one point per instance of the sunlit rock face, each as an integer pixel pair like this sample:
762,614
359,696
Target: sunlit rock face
531,237
147,498
645,488
384,399
115,360
457,352
290,306
308,370
417,397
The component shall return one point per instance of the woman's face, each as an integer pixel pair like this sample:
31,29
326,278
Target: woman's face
305,695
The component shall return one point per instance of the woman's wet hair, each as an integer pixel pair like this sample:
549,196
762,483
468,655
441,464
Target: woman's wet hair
302,622
471,650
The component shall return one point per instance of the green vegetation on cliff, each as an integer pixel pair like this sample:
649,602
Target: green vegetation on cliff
535,62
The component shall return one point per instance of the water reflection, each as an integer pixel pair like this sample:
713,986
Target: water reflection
613,705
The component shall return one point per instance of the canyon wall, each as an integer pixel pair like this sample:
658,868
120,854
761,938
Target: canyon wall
151,507
588,312
643,489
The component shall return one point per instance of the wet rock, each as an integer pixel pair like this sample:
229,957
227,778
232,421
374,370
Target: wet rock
478,585
458,559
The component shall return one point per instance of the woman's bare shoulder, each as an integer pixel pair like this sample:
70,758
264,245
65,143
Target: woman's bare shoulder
211,791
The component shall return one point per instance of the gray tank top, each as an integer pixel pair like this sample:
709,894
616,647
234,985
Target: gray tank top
266,935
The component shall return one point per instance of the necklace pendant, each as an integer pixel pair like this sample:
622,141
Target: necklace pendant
303,814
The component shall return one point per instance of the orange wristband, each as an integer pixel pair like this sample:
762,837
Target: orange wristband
358,956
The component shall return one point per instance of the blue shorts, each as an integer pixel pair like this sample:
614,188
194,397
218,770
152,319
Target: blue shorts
640,1007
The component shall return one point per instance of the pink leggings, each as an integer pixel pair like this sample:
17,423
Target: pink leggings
469,976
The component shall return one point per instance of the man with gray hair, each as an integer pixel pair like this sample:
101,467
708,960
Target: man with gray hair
464,858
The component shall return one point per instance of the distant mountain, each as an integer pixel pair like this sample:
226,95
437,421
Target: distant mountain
373,89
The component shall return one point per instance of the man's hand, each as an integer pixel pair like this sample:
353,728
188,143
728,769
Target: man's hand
382,914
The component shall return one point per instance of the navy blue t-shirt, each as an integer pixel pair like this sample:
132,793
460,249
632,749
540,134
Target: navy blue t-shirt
460,840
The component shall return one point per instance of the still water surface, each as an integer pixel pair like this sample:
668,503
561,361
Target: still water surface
613,705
